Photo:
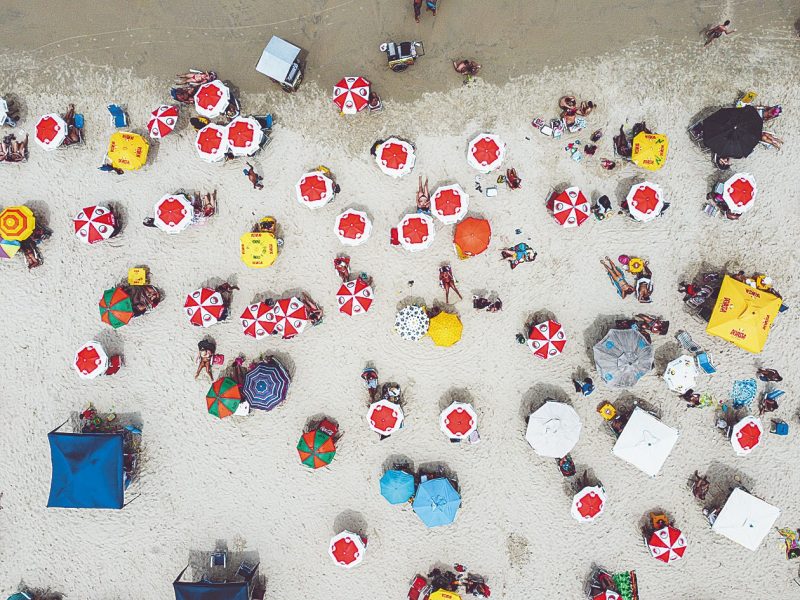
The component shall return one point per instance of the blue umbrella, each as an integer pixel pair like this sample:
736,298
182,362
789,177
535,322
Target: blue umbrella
397,486
436,502
266,385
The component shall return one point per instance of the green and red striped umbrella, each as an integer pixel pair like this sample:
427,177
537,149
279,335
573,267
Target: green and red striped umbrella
223,397
115,307
316,449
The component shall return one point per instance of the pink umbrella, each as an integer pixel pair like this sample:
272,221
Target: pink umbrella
449,204
211,142
667,544
352,227
287,318
351,95
204,307
253,320
162,121
212,98
571,208
244,136
739,193
94,224
385,417
416,232
458,420
50,131
547,339
354,297
314,189
173,213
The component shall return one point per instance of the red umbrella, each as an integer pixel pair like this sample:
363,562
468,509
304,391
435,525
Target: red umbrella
385,417
50,131
355,297
547,339
204,307
351,94
211,142
571,208
739,193
416,232
347,549
211,99
607,595
746,435
486,152
352,227
173,213
244,136
449,204
458,420
645,201
667,544
588,503
287,318
94,224
315,189
91,360
253,320
162,121
395,157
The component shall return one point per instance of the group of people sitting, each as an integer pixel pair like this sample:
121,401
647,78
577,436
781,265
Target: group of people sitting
518,254
190,82
452,581
74,123
643,286
13,150
30,246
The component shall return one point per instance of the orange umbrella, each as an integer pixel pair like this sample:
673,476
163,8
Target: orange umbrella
472,237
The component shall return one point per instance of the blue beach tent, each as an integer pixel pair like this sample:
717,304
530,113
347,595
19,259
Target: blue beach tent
436,502
206,590
397,486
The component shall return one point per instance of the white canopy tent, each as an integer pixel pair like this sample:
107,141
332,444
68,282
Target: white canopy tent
645,442
745,519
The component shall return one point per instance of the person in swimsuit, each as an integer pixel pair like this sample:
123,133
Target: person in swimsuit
447,282
718,31
254,177
205,354
644,285
624,289
342,266
417,9
423,197
518,254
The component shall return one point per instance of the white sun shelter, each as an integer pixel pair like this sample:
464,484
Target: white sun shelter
645,442
745,519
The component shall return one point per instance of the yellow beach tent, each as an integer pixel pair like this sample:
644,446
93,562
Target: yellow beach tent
743,315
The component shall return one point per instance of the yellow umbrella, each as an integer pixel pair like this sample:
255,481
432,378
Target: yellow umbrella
444,595
127,151
445,329
743,315
17,223
258,249
650,150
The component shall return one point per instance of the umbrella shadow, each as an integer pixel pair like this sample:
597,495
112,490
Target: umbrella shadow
282,357
121,216
723,479
437,469
398,462
624,186
665,354
40,210
536,396
350,520
16,107
41,593
111,341
597,331
626,402
264,296
539,316
411,300
456,394
646,522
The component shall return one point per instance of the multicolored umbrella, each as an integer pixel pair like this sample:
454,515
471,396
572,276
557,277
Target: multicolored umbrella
397,486
17,223
681,374
162,121
649,150
316,449
746,435
252,319
622,357
436,502
127,151
547,339
352,227
458,420
449,204
94,224
211,142
385,417
314,189
212,98
51,131
116,308
588,504
287,318
416,232
244,136
355,297
266,384
471,237
645,201
412,322
395,157
8,248
347,549
554,429
667,544
173,213
445,329
607,595
204,307
223,397
91,360
486,152
351,95
739,193
571,208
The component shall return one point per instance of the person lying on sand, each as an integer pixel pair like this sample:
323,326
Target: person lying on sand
447,282
518,254
466,67
195,78
423,197
342,266
624,289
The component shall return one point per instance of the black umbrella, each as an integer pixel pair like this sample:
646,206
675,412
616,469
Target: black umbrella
733,132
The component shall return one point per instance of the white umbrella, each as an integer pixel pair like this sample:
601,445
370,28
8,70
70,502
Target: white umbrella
212,98
449,204
739,193
314,189
3,110
458,420
486,152
681,374
91,360
416,232
745,519
385,417
395,157
588,504
352,227
50,131
244,136
211,142
554,429
645,201
347,549
173,213
645,442
411,322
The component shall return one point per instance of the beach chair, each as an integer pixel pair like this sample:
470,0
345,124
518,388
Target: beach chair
704,362
685,340
779,427
246,570
118,117
219,559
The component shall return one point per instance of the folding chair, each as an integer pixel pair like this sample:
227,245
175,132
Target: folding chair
246,570
685,340
704,362
219,559
118,117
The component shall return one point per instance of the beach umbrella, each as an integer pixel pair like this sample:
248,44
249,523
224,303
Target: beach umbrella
436,502
94,224
458,420
416,232
486,152
607,595
51,130
743,315
347,549
17,223
162,121
681,374
314,189
395,157
547,339
449,204
733,132
622,357
127,151
667,544
316,449
173,213
351,95
441,594
471,237
3,110
252,319
554,429
645,442
571,208
588,504
352,227
385,417
8,248
739,193
649,150
355,297
204,307
445,329
91,360
116,308
746,435
223,397
745,519
211,99
258,249
266,384
397,486
645,201
411,322
211,142
244,136
287,318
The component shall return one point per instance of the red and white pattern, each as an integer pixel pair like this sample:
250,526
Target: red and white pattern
173,213
486,153
204,307
212,142
90,360
458,420
162,121
571,208
253,320
607,595
395,157
212,98
352,227
746,435
385,417
645,201
588,504
416,232
449,204
243,136
347,549
547,339
354,297
314,189
667,544
739,193
51,130
94,224
287,318
351,95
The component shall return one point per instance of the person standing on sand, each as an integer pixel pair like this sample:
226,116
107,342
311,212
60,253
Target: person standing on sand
254,177
417,9
717,32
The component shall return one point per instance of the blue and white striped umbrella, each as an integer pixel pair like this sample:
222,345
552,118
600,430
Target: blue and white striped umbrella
266,385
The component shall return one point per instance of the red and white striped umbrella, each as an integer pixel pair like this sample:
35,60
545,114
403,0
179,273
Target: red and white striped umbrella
314,189
449,204
395,157
588,504
667,544
458,420
253,320
90,360
347,549
571,208
51,130
416,232
645,201
607,595
287,318
547,339
739,193
204,307
352,227
746,435
173,213
94,224
162,121
385,417
351,95
244,136
212,142
212,98
354,297
486,152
